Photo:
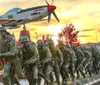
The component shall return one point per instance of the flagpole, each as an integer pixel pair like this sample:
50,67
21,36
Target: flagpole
97,39
36,36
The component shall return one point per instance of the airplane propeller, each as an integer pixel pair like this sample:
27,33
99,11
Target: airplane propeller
51,9
52,2
47,3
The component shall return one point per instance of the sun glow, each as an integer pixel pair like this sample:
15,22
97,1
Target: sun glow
82,14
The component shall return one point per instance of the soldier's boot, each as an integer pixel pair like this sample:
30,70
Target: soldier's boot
65,82
39,81
72,73
52,80
72,76
14,81
30,83
47,81
83,74
95,69
34,82
90,74
30,80
5,80
72,79
78,76
57,78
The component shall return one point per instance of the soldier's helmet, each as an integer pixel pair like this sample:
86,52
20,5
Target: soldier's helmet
50,41
68,46
74,46
60,42
24,39
40,42
3,29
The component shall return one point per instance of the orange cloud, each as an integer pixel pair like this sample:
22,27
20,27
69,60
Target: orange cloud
84,14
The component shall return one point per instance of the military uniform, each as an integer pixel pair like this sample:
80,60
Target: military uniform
79,61
30,58
96,59
57,58
11,55
88,57
13,79
66,63
72,56
44,62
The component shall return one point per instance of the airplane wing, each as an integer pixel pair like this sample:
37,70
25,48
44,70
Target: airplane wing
14,27
10,23
4,21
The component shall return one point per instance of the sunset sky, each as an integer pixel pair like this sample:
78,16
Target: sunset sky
84,14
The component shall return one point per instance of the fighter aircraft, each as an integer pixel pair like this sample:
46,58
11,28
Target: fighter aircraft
17,16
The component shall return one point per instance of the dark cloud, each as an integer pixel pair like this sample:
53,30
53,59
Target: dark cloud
85,30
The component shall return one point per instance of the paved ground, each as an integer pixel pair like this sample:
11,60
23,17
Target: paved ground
22,82
87,81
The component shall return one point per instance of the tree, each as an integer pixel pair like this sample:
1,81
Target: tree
69,35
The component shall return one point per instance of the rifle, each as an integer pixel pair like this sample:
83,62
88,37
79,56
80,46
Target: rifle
32,60
80,64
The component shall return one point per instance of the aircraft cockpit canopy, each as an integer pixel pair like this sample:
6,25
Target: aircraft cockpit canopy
16,10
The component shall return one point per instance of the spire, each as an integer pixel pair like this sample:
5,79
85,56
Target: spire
69,35
24,28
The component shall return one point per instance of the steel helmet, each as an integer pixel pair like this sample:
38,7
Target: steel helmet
68,45
40,42
60,42
24,39
50,41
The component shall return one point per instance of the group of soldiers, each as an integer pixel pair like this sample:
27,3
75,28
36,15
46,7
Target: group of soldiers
36,61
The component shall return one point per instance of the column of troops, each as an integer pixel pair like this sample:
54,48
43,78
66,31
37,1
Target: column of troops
37,61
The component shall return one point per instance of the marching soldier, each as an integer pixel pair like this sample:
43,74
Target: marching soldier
96,58
45,59
88,56
71,54
57,58
30,58
66,62
80,59
11,55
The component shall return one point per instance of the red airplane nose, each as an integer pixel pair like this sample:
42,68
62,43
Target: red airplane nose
51,8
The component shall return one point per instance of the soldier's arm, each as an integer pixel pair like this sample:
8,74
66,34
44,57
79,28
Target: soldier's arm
82,54
12,49
35,56
60,55
48,55
70,56
74,56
